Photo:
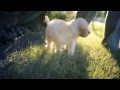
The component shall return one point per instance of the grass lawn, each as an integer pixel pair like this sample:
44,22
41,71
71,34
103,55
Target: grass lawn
91,61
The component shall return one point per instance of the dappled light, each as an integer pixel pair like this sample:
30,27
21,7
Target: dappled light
98,28
90,61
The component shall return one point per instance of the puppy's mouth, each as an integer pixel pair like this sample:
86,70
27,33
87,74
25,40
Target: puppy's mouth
83,35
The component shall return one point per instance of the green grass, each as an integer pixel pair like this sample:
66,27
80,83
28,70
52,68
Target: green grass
91,61
97,28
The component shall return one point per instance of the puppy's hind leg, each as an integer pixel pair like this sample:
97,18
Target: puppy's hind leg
48,44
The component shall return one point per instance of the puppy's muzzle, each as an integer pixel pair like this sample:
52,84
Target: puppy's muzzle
89,32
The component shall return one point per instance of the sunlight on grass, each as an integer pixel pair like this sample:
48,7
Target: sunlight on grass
97,28
101,64
91,60
30,53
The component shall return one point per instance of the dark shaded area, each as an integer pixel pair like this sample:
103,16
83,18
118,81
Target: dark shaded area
17,31
6,71
88,15
8,35
25,41
9,17
58,67
111,22
17,24
116,55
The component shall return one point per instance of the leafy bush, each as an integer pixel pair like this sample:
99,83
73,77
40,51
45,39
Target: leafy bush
60,15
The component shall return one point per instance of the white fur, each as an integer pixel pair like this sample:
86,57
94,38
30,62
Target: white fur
65,33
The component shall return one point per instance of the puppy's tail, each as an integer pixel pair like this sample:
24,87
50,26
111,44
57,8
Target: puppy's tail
47,20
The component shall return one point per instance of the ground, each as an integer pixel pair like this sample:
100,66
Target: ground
91,61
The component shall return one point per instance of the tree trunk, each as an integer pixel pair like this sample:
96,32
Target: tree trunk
88,15
33,20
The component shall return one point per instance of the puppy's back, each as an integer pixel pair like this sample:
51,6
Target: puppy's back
57,30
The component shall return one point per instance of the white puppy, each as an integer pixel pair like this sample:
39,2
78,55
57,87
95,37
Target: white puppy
63,33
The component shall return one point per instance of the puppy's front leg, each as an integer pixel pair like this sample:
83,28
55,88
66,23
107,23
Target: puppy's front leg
71,48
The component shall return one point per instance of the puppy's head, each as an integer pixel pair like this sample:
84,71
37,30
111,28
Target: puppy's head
82,27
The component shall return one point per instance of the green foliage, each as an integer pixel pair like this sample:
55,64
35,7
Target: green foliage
101,14
60,15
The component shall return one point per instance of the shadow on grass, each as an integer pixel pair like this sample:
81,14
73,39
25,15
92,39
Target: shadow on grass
50,66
